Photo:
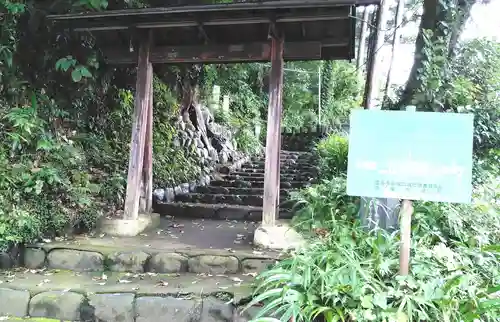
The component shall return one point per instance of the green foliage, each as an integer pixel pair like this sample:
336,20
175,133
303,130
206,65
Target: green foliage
45,182
316,205
333,152
243,84
77,71
340,92
351,274
171,165
469,82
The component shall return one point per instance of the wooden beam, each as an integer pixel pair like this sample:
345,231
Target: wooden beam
271,172
146,204
219,53
139,127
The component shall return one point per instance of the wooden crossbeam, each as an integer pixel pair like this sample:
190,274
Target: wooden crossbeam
219,53
140,160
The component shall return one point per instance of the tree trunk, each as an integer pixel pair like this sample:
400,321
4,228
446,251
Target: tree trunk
372,89
433,17
370,59
362,41
395,41
464,11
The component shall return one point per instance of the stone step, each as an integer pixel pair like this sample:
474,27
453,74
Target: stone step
214,211
258,184
287,157
237,191
290,162
293,176
305,168
285,171
245,200
260,177
65,296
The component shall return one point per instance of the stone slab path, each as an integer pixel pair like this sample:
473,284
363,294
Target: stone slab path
185,270
123,297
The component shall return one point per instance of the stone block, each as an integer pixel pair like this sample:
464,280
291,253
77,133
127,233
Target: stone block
133,262
113,307
159,194
214,264
34,258
152,308
169,194
168,263
75,260
14,302
5,261
279,237
128,227
215,310
65,306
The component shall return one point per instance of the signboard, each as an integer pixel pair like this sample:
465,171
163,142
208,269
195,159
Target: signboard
414,156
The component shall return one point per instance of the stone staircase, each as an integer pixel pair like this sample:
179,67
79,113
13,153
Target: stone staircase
198,265
238,194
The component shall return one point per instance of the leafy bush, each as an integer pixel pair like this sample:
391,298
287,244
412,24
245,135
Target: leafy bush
351,274
333,152
46,185
316,205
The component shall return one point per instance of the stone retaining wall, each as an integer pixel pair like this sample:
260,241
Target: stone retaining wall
114,307
140,261
168,194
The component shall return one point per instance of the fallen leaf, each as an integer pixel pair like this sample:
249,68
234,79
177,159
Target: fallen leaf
236,279
124,281
162,283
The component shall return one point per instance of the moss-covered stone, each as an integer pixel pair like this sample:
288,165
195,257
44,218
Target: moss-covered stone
151,308
14,302
168,263
34,258
133,262
113,307
212,264
58,305
75,260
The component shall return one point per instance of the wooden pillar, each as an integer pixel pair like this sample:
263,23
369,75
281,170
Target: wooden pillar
271,174
146,203
135,182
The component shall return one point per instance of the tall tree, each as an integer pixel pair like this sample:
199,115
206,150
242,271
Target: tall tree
362,41
446,20
395,41
372,83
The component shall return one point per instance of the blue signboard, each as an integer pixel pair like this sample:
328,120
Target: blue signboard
410,155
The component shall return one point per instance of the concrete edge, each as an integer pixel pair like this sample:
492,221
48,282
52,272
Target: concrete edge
128,228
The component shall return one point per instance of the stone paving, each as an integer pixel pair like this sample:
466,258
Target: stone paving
185,270
71,296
